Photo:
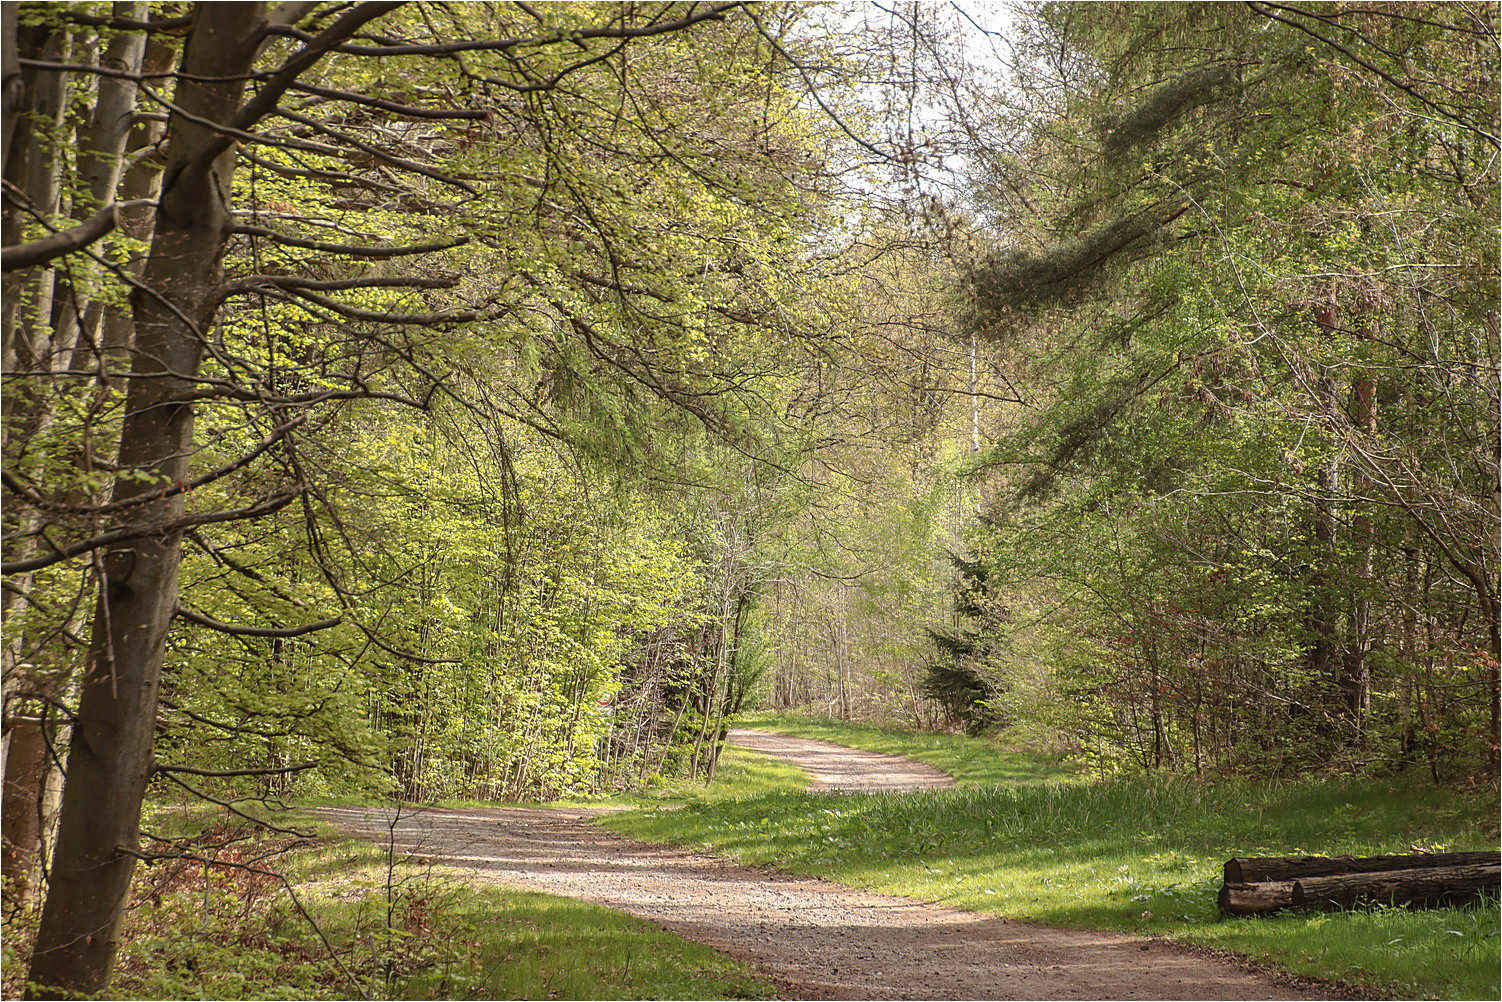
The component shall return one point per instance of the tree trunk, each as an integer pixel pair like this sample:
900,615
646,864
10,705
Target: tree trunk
1428,888
1251,870
12,85
110,758
1410,649
26,770
101,149
1324,601
1355,672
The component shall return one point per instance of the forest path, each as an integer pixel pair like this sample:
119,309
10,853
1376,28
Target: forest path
815,940
835,768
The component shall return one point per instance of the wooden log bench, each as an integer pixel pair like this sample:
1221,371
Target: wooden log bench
1262,885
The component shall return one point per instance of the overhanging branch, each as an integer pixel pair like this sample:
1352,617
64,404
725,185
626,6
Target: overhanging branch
256,631
67,241
269,771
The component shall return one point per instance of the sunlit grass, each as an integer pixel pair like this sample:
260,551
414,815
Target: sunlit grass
1140,856
968,760
741,773
536,946
387,926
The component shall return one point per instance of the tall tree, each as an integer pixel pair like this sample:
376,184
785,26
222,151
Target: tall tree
335,316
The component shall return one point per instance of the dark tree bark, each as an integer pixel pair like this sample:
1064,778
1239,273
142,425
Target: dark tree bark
1250,870
110,758
26,768
1428,888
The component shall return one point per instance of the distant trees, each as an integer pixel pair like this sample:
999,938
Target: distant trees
1255,266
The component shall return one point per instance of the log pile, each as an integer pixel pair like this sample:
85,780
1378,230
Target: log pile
1260,886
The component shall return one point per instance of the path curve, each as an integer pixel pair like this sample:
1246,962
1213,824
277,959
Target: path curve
815,940
835,768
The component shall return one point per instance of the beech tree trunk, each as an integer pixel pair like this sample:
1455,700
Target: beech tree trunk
110,757
26,768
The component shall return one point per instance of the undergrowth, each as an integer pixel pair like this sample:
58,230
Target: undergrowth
212,919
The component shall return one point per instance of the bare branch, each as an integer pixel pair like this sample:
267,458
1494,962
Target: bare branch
37,500
255,283
200,619
404,110
300,62
379,316
123,23
222,773
349,250
67,241
59,554
1269,11
712,12
376,152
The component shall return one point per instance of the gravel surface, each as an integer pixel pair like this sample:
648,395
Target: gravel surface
815,940
835,768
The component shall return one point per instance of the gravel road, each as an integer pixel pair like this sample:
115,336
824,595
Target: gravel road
815,940
835,768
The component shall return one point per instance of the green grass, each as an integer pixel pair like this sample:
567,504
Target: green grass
1139,856
971,761
398,930
1020,836
538,946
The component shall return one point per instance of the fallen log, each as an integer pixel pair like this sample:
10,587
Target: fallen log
1427,888
1255,899
1260,869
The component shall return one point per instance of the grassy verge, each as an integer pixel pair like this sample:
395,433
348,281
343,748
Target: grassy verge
971,761
1139,856
388,927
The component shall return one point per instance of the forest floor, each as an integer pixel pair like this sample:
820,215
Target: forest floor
814,940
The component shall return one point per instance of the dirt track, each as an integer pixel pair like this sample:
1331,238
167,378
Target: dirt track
815,940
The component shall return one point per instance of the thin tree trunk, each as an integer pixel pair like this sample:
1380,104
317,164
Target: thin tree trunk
26,770
974,403
1355,672
1410,647
101,150
1322,617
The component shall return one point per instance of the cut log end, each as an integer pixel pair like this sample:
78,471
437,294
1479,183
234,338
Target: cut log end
1255,899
